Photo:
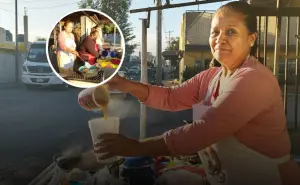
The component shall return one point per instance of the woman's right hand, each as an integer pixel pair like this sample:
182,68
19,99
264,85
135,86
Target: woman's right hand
75,53
118,83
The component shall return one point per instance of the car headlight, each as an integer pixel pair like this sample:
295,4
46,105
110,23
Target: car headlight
24,69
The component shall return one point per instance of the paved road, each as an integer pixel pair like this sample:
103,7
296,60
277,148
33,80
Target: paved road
36,124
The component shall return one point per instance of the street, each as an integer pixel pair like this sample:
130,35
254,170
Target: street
37,124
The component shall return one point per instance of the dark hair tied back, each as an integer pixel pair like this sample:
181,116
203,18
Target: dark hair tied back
250,19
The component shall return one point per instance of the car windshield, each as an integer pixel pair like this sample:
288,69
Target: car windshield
37,53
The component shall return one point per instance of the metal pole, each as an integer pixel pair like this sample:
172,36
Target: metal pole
266,40
277,42
143,110
297,74
175,5
115,28
25,32
158,46
285,90
17,47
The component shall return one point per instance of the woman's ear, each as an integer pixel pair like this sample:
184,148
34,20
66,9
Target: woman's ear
252,39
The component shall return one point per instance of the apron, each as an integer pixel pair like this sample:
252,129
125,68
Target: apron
230,162
67,59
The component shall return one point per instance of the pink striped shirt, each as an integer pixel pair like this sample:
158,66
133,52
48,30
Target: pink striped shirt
250,108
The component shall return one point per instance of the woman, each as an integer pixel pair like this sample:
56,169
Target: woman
239,127
66,48
100,39
88,49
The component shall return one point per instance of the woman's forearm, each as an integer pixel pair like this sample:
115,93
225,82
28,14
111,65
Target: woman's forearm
137,89
69,50
154,146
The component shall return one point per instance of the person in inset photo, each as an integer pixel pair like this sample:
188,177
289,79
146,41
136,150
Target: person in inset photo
100,39
66,53
88,53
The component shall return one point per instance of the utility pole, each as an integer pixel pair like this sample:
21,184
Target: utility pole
158,45
25,31
17,44
169,39
144,79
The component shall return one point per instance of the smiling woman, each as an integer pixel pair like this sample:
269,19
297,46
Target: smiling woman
239,128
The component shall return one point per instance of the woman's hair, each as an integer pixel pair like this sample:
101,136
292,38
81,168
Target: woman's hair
95,27
250,19
66,23
215,63
93,32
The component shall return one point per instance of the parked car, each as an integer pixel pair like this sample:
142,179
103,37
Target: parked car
137,76
36,70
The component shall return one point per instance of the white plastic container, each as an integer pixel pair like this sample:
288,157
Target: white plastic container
100,126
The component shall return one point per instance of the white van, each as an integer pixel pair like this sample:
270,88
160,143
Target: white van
36,70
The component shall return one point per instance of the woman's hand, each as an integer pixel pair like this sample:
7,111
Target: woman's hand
117,145
118,83
75,53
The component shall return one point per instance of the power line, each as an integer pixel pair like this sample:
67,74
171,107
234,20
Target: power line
34,1
164,26
10,11
49,7
169,36
7,10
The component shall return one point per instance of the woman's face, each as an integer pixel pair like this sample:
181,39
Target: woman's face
230,40
69,27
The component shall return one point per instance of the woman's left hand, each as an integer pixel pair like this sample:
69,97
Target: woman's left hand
117,145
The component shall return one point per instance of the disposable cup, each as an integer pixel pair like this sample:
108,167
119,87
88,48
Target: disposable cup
100,126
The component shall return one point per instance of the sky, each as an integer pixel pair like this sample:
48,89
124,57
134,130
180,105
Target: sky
44,14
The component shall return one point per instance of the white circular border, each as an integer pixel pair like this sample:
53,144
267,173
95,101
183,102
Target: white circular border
123,48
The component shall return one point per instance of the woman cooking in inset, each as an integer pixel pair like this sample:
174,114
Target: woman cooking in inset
239,128
88,53
66,53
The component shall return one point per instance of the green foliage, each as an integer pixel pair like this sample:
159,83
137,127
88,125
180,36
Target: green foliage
173,44
118,10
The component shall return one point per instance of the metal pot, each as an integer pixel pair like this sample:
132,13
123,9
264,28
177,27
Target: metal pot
86,162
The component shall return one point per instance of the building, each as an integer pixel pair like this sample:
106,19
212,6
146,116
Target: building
20,38
2,35
194,40
272,3
9,37
150,57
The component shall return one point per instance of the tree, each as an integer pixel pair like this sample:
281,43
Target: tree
118,10
40,39
173,54
173,44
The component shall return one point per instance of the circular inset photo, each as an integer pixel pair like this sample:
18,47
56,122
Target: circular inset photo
85,48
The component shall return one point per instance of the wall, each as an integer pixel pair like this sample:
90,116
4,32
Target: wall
86,26
7,66
198,30
2,35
